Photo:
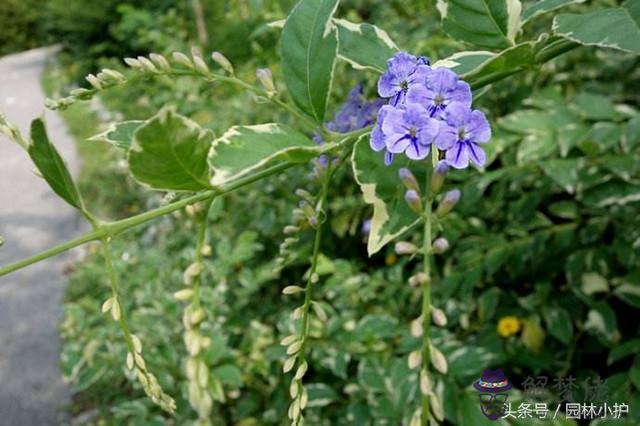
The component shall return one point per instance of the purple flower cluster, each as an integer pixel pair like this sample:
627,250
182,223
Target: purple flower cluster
356,113
428,106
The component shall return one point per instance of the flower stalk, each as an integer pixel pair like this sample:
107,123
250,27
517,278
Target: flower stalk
426,298
297,344
197,372
134,360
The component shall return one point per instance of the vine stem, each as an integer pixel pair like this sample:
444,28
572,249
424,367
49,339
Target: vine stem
107,229
426,294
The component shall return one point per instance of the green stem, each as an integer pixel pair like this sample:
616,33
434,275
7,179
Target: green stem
426,294
113,228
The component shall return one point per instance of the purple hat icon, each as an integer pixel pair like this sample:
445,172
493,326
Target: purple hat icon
493,381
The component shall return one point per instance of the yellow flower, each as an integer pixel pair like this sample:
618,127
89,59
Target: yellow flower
390,259
508,326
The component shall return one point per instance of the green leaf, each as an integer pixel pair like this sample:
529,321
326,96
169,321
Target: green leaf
617,28
120,134
532,335
170,152
563,172
465,62
634,373
601,321
623,350
612,193
364,45
309,49
630,293
559,323
52,166
381,187
508,61
243,149
595,107
371,375
487,23
320,395
229,375
593,283
545,6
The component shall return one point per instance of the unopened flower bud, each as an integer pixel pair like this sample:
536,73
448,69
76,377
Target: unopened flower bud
448,202
438,316
94,81
439,173
114,75
440,245
306,195
221,60
289,229
265,77
132,62
182,59
405,247
183,295
201,65
418,279
147,65
160,61
306,208
408,179
81,93
413,200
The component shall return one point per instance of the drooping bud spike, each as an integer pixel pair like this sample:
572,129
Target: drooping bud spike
448,202
408,179
413,200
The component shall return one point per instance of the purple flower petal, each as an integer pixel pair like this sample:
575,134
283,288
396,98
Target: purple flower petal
402,64
446,137
457,114
458,156
461,93
388,158
387,85
442,80
377,135
476,154
417,151
478,129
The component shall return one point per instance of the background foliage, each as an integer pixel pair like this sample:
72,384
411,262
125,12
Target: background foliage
548,234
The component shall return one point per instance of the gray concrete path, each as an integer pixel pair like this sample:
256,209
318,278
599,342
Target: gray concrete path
32,218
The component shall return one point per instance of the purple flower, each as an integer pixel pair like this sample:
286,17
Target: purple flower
471,129
404,71
438,89
409,129
356,113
